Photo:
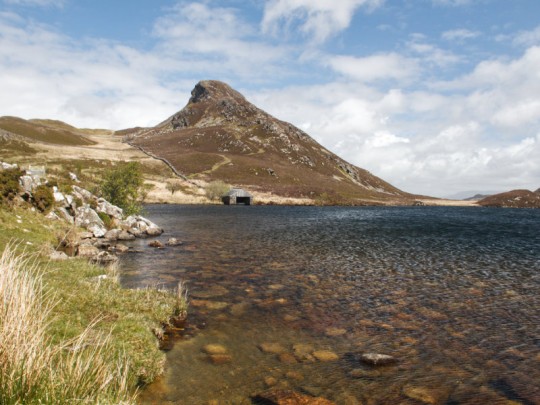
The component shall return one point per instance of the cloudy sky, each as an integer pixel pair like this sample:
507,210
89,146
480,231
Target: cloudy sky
435,96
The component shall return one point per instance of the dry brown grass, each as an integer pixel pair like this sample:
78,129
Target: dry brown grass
32,369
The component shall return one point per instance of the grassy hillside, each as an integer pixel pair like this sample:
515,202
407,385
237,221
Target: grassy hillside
54,132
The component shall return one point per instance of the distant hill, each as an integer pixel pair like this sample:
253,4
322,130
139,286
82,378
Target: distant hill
513,199
49,131
220,135
477,197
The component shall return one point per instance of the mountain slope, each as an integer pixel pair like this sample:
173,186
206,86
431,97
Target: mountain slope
513,199
220,135
49,131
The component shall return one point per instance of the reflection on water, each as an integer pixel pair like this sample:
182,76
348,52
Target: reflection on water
452,293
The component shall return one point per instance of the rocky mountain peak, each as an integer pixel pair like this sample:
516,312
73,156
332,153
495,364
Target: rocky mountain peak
213,89
219,134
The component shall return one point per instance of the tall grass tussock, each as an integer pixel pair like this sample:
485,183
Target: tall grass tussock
33,369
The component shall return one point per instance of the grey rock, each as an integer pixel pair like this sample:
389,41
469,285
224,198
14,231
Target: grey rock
120,248
56,255
109,209
104,258
83,194
128,223
7,166
87,251
52,215
87,218
74,177
377,359
65,215
156,244
124,235
154,231
28,183
135,232
173,242
113,234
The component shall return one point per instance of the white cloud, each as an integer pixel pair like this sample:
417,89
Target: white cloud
375,67
431,55
459,35
212,39
528,38
319,19
383,139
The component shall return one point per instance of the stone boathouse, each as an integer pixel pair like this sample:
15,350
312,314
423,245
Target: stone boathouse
237,196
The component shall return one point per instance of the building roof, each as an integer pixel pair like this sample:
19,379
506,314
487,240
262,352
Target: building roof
238,192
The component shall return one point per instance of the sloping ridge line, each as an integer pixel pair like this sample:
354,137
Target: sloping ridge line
150,154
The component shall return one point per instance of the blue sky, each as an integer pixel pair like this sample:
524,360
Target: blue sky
435,96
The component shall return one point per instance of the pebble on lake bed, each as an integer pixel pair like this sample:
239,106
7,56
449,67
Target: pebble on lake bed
286,397
274,348
218,359
325,355
214,349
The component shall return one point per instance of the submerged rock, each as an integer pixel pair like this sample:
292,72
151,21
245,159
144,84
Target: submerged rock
214,348
325,355
286,397
274,348
424,395
156,244
377,359
173,242
219,359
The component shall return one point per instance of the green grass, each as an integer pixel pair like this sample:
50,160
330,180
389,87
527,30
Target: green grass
80,298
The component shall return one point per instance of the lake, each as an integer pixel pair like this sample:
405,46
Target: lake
293,296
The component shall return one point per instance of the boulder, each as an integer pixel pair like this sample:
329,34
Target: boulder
56,255
286,397
128,223
28,183
83,194
173,242
87,251
156,244
154,231
87,218
104,258
124,235
135,232
111,210
86,235
58,196
65,215
7,166
119,248
52,215
74,177
113,234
